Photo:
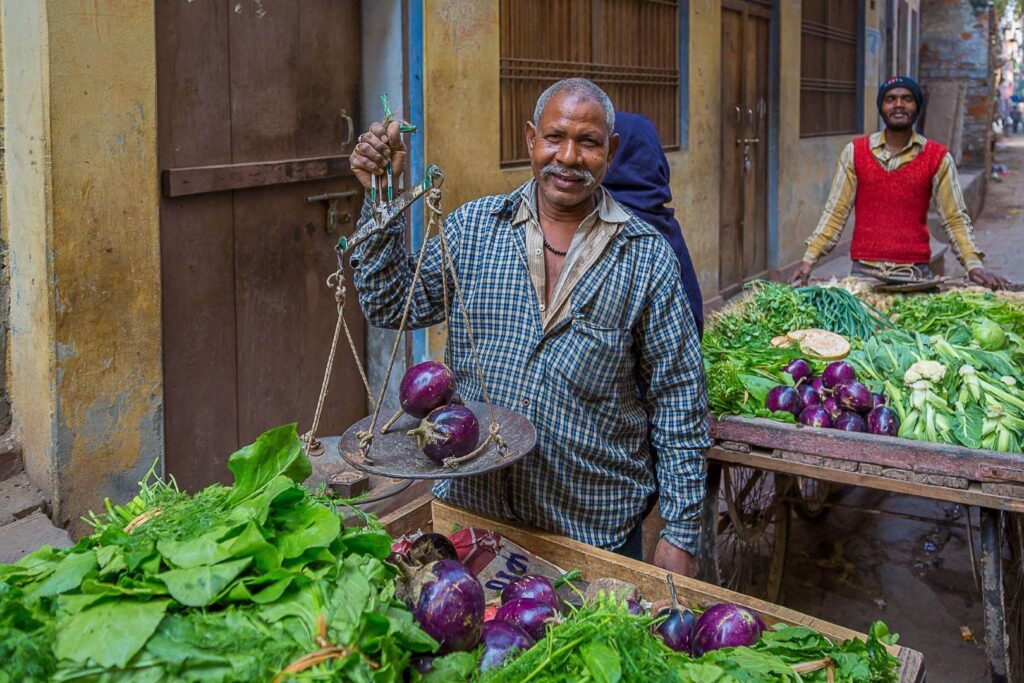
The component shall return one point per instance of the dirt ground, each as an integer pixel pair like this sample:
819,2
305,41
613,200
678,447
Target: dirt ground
853,567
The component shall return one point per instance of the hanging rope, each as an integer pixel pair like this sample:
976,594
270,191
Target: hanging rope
336,281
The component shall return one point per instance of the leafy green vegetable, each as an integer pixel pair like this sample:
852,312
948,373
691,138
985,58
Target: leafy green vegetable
231,584
841,312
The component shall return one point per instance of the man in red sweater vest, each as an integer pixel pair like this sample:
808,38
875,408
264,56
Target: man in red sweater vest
890,178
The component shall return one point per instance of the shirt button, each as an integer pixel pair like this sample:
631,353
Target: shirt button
542,308
538,252
525,403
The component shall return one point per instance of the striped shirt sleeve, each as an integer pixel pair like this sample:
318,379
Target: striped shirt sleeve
676,405
837,209
949,201
384,272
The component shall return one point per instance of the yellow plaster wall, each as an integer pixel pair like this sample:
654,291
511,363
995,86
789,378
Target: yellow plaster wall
806,165
93,301
27,170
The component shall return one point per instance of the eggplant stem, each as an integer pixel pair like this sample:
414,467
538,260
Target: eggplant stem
391,423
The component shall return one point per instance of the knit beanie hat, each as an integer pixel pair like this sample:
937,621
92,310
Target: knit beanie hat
901,82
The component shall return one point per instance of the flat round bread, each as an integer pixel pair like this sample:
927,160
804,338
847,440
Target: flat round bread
820,344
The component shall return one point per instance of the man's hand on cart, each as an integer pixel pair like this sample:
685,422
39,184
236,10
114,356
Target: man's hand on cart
673,559
985,278
802,274
375,149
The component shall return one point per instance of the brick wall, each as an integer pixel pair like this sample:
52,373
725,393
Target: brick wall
956,46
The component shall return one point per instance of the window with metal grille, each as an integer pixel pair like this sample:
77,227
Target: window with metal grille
628,47
831,52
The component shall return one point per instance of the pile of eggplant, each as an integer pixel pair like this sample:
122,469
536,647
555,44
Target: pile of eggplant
448,429
835,400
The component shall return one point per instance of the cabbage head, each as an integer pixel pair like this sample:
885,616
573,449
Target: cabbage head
989,335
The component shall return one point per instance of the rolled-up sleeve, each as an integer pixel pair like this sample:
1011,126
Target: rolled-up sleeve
384,274
672,368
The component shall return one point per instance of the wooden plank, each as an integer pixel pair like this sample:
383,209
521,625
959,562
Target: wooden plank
196,245
182,182
974,495
884,451
595,563
730,236
413,516
286,103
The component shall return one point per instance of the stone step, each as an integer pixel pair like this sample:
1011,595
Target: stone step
28,534
19,498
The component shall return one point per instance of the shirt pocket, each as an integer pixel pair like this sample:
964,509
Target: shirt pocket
594,361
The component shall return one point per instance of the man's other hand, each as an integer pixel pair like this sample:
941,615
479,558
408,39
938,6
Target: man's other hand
671,558
984,278
802,274
376,147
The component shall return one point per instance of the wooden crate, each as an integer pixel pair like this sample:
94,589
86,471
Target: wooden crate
428,514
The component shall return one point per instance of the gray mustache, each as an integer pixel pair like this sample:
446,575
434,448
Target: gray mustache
586,176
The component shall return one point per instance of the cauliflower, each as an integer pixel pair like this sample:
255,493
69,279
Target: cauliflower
928,370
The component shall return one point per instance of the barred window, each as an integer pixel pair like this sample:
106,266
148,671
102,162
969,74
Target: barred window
830,54
628,47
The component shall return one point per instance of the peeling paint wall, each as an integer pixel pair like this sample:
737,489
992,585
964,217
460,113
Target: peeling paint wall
462,50
5,282
83,187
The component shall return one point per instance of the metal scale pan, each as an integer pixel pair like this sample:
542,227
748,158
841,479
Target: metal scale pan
396,455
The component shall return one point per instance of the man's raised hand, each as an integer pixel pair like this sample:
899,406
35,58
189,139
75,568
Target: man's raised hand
375,148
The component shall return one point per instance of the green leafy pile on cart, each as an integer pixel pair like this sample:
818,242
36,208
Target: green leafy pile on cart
261,581
950,366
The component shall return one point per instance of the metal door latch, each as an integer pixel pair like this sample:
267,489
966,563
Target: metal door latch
332,208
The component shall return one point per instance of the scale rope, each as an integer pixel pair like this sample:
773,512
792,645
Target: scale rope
337,282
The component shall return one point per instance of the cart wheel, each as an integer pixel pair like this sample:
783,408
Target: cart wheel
753,526
813,495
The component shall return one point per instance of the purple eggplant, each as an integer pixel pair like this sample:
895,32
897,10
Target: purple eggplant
725,625
784,399
530,615
426,386
799,370
532,586
677,628
501,640
836,372
447,601
832,406
815,416
808,396
852,395
634,608
878,400
849,421
431,547
448,432
819,386
883,420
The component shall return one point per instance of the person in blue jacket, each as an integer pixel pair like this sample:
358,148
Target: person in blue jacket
638,179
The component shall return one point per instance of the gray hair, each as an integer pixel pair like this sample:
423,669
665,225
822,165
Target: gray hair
583,89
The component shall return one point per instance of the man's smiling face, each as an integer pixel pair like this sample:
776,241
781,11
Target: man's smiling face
570,149
899,109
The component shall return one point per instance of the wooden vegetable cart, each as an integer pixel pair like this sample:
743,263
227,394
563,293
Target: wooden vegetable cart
428,514
759,467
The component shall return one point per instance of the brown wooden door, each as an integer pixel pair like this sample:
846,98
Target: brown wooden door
743,221
251,99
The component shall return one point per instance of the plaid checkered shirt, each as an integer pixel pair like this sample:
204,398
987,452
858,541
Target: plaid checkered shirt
619,378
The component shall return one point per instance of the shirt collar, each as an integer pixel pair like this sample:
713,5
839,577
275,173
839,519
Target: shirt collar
878,140
608,210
